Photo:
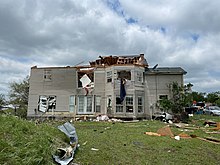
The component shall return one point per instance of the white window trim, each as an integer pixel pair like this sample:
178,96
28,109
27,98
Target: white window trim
85,105
142,98
129,104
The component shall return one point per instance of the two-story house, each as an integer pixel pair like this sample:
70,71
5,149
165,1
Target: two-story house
118,86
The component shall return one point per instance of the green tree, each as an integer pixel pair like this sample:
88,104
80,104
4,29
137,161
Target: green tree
165,104
176,102
218,102
178,98
18,96
213,97
188,98
2,100
198,96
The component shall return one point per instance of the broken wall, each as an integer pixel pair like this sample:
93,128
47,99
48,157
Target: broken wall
61,84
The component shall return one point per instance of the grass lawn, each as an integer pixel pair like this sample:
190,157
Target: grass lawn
24,142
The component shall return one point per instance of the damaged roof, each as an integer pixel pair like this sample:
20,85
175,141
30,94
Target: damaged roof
109,61
119,60
165,70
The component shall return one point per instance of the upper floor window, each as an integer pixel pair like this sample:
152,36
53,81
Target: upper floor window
124,74
109,76
85,78
139,76
162,97
47,75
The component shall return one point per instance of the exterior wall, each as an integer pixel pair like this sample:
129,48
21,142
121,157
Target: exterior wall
99,87
156,85
63,83
133,88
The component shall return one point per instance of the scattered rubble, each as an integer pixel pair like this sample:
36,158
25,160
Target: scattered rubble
102,118
166,131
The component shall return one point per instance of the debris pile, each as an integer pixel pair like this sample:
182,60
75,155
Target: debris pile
166,131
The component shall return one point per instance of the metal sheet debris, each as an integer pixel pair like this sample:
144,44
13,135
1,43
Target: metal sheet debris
66,154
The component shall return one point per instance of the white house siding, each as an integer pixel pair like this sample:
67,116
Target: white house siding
61,83
99,87
158,84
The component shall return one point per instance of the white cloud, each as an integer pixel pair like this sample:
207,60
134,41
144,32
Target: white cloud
60,33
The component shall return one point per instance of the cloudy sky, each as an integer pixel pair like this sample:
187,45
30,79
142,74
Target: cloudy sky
67,32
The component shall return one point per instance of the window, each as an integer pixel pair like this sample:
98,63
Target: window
72,104
124,74
139,76
129,104
46,103
162,97
89,77
98,103
42,104
85,104
89,104
140,104
109,76
119,106
81,104
47,75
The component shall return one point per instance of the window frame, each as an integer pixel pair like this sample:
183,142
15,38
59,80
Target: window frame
85,103
124,74
139,76
72,103
140,105
129,104
109,76
119,108
98,104
47,75
48,106
163,96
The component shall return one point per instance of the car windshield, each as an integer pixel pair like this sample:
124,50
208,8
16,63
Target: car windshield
215,108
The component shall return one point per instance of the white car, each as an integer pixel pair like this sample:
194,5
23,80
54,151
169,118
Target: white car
212,110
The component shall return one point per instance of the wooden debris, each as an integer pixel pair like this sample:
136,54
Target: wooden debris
214,132
152,134
165,131
209,139
184,135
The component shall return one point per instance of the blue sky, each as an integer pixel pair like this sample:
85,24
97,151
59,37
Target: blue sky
60,33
